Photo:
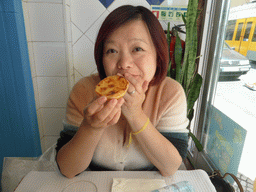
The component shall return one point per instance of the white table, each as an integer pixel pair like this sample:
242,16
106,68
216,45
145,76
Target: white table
54,181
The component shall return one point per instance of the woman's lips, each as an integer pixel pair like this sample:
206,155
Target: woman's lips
123,74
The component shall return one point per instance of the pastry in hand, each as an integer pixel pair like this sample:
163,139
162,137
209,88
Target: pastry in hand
113,87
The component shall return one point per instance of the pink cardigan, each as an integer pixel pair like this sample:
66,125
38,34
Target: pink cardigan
166,107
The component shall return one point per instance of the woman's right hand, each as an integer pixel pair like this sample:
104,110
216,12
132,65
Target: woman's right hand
101,113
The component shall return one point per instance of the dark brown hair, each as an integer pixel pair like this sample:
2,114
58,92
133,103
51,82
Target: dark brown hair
123,15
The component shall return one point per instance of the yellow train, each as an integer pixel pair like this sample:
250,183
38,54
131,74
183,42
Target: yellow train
241,30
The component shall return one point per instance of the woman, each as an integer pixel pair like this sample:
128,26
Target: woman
130,43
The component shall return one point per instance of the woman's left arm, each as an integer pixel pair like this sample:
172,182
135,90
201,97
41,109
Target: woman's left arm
159,150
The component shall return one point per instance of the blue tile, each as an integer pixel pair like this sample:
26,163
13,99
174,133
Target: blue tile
155,2
106,3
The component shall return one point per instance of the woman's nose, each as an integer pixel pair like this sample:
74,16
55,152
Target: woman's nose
125,61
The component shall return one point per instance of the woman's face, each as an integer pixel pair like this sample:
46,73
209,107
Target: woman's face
130,49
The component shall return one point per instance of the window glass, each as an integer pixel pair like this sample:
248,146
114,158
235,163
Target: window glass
247,31
228,106
239,30
230,30
254,35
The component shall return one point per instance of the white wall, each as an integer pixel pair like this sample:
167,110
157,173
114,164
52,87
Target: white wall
61,36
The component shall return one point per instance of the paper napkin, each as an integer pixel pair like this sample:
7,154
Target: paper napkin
136,185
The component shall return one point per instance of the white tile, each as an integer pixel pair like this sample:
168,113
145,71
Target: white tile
26,20
164,3
50,58
163,24
48,141
67,2
45,1
70,58
118,3
95,71
31,59
52,119
83,56
71,76
78,76
85,12
36,94
76,33
94,29
53,91
68,23
40,123
46,21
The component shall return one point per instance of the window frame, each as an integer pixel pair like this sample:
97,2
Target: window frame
216,18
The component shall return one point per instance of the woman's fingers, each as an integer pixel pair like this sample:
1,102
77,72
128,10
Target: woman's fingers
145,86
96,106
136,83
115,118
105,114
133,83
108,112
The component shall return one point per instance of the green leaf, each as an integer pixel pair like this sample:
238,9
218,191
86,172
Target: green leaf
188,67
192,55
199,146
194,91
169,69
178,55
184,19
173,73
186,73
192,12
190,114
168,39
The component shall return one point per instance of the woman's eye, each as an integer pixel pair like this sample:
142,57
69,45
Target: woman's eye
138,49
111,51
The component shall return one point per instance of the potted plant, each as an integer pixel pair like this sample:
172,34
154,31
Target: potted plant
183,56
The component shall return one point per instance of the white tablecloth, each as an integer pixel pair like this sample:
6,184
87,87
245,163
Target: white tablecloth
16,168
54,181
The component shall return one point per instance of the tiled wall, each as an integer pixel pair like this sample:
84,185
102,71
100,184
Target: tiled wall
45,29
61,36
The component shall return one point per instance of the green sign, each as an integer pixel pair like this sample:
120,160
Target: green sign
169,13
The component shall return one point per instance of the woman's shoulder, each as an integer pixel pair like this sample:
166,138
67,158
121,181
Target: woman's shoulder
81,95
169,87
170,92
171,83
93,79
84,89
88,83
167,95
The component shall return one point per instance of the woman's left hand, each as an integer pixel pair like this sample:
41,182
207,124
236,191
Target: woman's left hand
134,97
